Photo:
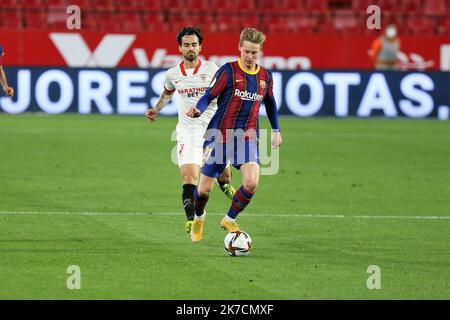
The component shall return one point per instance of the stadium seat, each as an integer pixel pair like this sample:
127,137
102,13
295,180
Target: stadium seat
294,6
274,23
126,5
418,25
443,28
30,4
227,23
437,7
175,6
107,22
390,5
202,20
269,6
9,4
246,6
153,18
317,8
316,5
301,23
411,6
346,21
56,17
10,19
35,20
196,6
178,17
176,26
154,22
326,25
225,7
178,20
106,5
250,20
58,26
150,5
57,3
129,22
83,4
361,5
397,19
88,22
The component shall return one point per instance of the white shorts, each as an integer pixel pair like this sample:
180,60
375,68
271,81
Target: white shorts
190,149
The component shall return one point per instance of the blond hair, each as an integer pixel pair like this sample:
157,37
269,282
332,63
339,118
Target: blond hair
253,35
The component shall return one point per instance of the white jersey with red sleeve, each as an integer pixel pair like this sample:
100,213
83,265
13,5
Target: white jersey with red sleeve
191,85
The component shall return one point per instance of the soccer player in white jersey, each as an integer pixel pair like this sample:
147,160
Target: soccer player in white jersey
191,79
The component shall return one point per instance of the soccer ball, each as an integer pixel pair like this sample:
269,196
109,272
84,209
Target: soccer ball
237,243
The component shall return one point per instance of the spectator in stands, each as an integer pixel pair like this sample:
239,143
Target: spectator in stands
3,82
385,49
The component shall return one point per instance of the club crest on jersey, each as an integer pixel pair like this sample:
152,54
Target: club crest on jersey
203,77
262,84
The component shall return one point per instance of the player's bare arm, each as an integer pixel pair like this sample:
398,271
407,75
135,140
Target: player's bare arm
164,99
9,91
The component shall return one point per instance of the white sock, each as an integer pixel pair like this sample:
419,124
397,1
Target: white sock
227,218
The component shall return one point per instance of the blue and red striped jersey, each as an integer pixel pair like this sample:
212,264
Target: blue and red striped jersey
239,95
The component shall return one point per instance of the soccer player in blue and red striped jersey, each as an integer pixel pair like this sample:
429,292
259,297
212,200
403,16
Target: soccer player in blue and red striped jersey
232,136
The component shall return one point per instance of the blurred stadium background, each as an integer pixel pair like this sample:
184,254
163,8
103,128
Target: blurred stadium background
322,36
326,17
100,191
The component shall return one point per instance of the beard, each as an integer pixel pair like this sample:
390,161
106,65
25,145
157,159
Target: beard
190,56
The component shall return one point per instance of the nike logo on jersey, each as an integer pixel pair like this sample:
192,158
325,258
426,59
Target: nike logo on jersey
237,80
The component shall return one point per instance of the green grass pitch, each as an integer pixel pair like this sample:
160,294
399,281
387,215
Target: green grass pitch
101,192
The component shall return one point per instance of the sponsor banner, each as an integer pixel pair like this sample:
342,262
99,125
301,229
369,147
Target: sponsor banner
299,93
160,50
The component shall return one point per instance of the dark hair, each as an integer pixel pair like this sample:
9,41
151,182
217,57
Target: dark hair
188,31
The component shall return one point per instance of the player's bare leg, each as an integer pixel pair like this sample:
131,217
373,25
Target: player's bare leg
250,176
224,183
189,174
242,197
201,195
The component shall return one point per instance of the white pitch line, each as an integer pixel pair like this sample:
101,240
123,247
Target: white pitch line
332,216
405,217
319,216
77,213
